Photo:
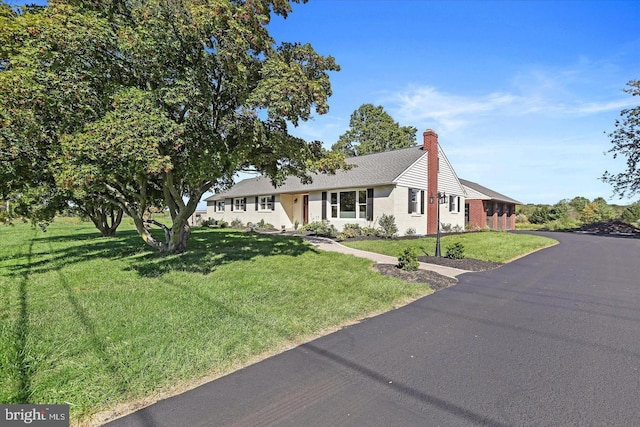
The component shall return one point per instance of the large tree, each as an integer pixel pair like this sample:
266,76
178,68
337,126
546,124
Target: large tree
187,93
372,130
626,142
52,72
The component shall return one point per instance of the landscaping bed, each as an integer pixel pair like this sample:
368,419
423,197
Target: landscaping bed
435,280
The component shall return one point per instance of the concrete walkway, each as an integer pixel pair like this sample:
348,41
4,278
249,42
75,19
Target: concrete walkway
333,246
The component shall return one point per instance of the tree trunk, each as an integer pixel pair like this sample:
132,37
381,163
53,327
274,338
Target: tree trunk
175,238
105,219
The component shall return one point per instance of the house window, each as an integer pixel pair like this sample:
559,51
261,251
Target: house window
362,203
240,204
452,203
220,206
413,200
349,204
266,203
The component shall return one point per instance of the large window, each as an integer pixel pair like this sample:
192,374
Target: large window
349,204
266,203
220,206
240,204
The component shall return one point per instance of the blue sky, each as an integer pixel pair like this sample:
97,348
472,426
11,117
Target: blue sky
521,93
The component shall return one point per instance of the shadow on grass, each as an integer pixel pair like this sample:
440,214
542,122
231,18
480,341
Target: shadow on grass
207,249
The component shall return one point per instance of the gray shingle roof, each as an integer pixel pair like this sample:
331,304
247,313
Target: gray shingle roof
370,170
491,195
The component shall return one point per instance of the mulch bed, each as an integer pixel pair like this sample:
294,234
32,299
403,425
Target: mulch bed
437,281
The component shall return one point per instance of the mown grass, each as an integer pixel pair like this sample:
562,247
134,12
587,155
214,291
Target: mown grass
487,246
99,321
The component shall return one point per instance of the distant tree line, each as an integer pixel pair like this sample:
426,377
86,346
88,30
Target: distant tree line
570,213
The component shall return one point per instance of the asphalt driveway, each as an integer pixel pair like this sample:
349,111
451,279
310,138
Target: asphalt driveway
552,339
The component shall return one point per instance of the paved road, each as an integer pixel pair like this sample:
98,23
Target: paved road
552,339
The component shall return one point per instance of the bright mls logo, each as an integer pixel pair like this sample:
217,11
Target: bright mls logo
34,415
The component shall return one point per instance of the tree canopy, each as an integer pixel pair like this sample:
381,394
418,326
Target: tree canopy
372,130
626,142
153,103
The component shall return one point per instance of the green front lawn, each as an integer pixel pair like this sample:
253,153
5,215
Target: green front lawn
96,321
487,246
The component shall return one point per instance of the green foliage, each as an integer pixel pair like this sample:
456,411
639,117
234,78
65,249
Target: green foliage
372,130
408,259
543,214
626,142
369,231
410,231
455,251
387,227
540,215
262,224
597,211
321,228
154,103
631,213
237,223
578,203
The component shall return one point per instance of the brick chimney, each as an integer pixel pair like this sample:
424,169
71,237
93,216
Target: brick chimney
430,145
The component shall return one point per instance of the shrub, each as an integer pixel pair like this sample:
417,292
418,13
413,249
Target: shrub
223,224
321,228
410,231
408,260
349,233
354,229
207,222
521,219
388,228
369,231
236,223
455,251
264,225
631,213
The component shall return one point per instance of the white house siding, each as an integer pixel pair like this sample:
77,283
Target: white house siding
449,183
473,194
277,217
416,175
405,220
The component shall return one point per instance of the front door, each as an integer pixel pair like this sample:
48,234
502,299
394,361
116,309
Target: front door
305,209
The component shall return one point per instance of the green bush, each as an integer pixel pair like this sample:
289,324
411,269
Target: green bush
321,228
455,251
264,225
388,228
208,222
369,231
236,223
349,233
408,259
410,231
354,227
631,213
